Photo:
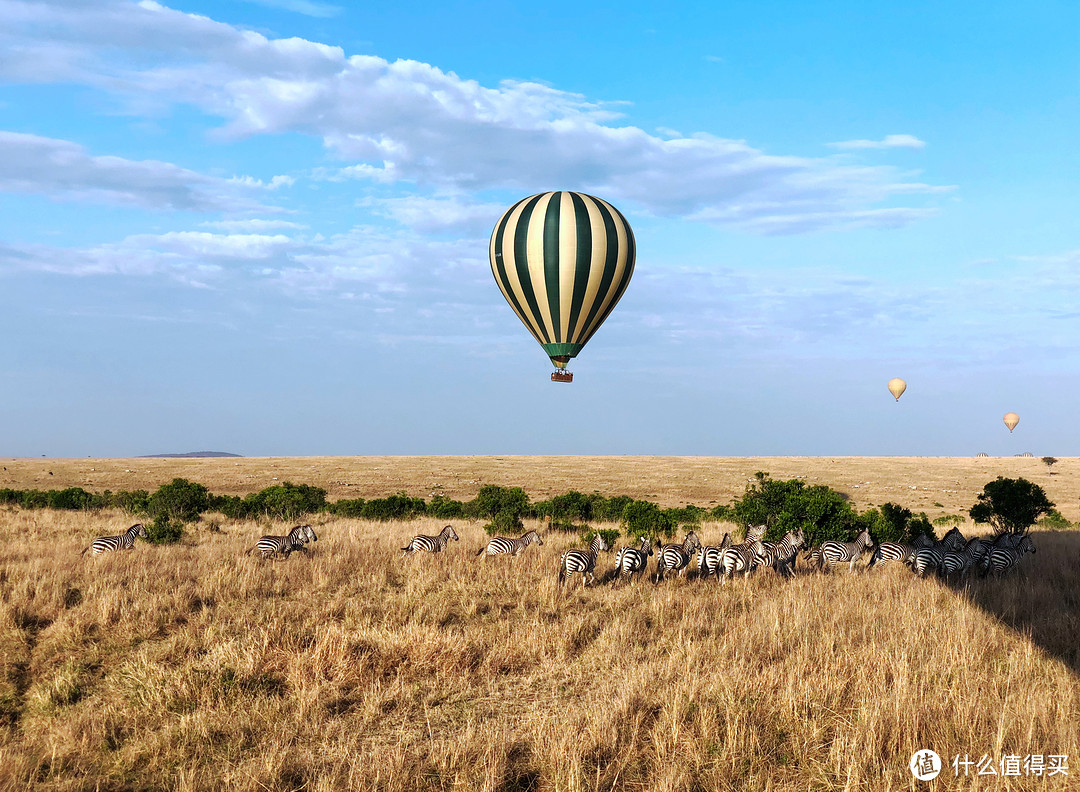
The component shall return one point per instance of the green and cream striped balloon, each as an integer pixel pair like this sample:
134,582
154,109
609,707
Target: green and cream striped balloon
562,260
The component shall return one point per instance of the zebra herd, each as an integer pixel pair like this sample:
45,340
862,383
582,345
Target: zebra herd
952,557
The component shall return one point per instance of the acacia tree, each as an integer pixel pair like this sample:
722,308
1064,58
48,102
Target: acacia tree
1010,505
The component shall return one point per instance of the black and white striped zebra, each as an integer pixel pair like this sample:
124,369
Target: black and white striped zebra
269,546
781,555
898,552
709,558
833,552
581,561
961,560
741,558
1003,558
431,544
675,557
1007,540
633,560
504,545
754,533
125,541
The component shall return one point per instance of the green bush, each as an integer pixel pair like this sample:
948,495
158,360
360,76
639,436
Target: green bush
444,508
164,530
179,500
72,498
493,499
285,502
687,514
393,507
505,524
948,520
587,532
895,524
782,506
1010,505
1055,521
352,508
644,518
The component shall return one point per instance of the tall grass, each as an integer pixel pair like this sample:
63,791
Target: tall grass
198,667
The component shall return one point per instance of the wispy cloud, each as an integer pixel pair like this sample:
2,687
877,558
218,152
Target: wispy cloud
305,7
63,170
407,120
887,142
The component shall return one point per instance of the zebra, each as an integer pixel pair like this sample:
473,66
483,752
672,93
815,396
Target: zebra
431,544
125,541
1005,541
1002,559
269,546
781,555
504,545
709,556
630,560
965,558
741,558
889,552
754,533
675,557
583,561
833,552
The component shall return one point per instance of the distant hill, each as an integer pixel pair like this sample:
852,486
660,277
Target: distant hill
190,454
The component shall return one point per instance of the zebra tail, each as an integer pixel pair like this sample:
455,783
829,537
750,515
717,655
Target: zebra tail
480,552
562,574
84,550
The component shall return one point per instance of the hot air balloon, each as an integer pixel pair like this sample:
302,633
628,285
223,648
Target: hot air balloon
562,260
1011,420
897,387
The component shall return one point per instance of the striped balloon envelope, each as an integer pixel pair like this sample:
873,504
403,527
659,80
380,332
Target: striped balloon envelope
562,260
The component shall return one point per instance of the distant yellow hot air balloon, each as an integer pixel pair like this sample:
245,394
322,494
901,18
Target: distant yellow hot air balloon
1011,420
897,387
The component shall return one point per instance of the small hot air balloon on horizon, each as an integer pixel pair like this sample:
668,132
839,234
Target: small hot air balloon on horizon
897,387
562,260
1011,419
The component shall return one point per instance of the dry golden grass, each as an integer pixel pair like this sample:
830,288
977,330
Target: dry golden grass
198,667
919,483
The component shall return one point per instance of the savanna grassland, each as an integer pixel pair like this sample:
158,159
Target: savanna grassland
197,666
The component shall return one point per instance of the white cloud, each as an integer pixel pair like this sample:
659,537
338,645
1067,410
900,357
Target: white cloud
889,141
435,214
253,225
305,7
64,170
406,120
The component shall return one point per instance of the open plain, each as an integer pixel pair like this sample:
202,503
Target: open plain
198,666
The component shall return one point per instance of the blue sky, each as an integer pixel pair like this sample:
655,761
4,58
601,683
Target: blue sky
261,227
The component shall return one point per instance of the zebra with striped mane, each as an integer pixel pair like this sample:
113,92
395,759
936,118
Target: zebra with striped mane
898,552
675,557
583,561
961,560
125,541
741,558
431,544
754,533
630,560
269,546
781,555
504,545
1006,540
1002,559
833,552
709,558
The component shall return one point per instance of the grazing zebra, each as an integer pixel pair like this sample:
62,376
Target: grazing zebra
741,558
709,558
431,544
781,555
1002,559
504,545
630,560
890,552
833,552
675,557
295,540
125,541
960,561
583,561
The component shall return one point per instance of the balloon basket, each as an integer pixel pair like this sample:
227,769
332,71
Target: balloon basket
562,376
